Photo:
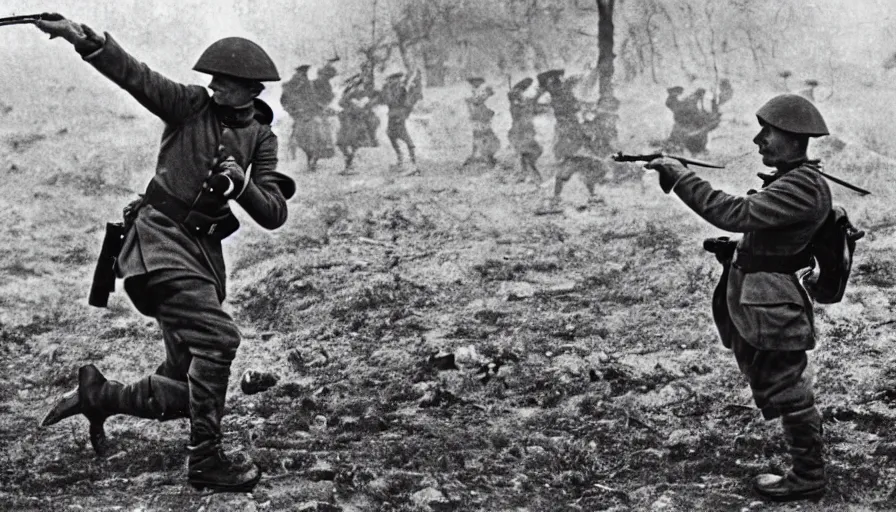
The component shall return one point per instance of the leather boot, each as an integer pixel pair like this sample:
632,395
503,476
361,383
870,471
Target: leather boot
806,480
153,397
210,468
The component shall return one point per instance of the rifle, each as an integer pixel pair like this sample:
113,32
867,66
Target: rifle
622,157
30,19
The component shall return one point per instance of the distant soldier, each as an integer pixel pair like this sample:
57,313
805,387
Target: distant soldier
320,143
522,130
692,121
597,135
309,101
296,101
401,96
357,120
809,91
567,132
485,142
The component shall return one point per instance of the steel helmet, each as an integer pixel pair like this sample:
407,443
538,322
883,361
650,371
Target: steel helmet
239,57
793,113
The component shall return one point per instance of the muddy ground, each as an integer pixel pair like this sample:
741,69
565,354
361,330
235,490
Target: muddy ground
438,345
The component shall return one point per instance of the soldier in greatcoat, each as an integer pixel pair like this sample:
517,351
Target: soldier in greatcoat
357,120
485,142
522,129
215,150
567,131
762,311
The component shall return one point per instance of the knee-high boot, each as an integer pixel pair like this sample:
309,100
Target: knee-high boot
806,480
153,397
208,465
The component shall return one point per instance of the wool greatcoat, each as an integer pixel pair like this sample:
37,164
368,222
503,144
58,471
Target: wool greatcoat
194,128
766,317
173,273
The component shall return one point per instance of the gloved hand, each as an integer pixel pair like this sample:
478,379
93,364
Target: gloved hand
226,177
670,171
82,37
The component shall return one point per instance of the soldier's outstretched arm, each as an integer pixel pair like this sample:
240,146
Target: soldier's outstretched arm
169,100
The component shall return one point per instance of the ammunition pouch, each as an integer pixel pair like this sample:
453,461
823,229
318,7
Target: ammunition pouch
199,221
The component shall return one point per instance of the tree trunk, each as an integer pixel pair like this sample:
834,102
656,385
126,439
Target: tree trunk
605,57
605,54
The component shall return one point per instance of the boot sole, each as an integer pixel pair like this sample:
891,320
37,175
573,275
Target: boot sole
216,487
67,406
810,495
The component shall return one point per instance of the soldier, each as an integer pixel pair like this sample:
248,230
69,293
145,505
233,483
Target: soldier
357,121
307,102
214,148
401,96
522,130
692,121
295,99
809,91
762,312
597,134
485,142
567,133
322,97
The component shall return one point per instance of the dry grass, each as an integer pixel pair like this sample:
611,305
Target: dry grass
589,374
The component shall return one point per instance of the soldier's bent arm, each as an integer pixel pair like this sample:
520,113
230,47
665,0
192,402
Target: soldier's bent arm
264,198
798,196
170,101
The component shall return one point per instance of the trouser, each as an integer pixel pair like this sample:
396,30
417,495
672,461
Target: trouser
201,341
397,130
776,378
781,389
592,171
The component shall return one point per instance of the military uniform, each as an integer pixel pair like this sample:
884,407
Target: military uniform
485,142
357,122
762,312
597,133
172,261
323,96
522,129
692,123
401,98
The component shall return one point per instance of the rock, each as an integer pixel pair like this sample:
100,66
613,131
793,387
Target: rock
318,506
429,498
438,397
560,288
254,381
513,290
442,361
665,502
468,356
229,502
319,423
320,472
296,360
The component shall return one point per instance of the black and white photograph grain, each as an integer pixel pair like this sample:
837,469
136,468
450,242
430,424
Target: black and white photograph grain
448,255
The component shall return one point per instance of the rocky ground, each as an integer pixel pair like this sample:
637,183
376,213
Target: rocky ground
438,346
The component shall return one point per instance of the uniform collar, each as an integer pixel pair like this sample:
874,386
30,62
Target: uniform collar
235,117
